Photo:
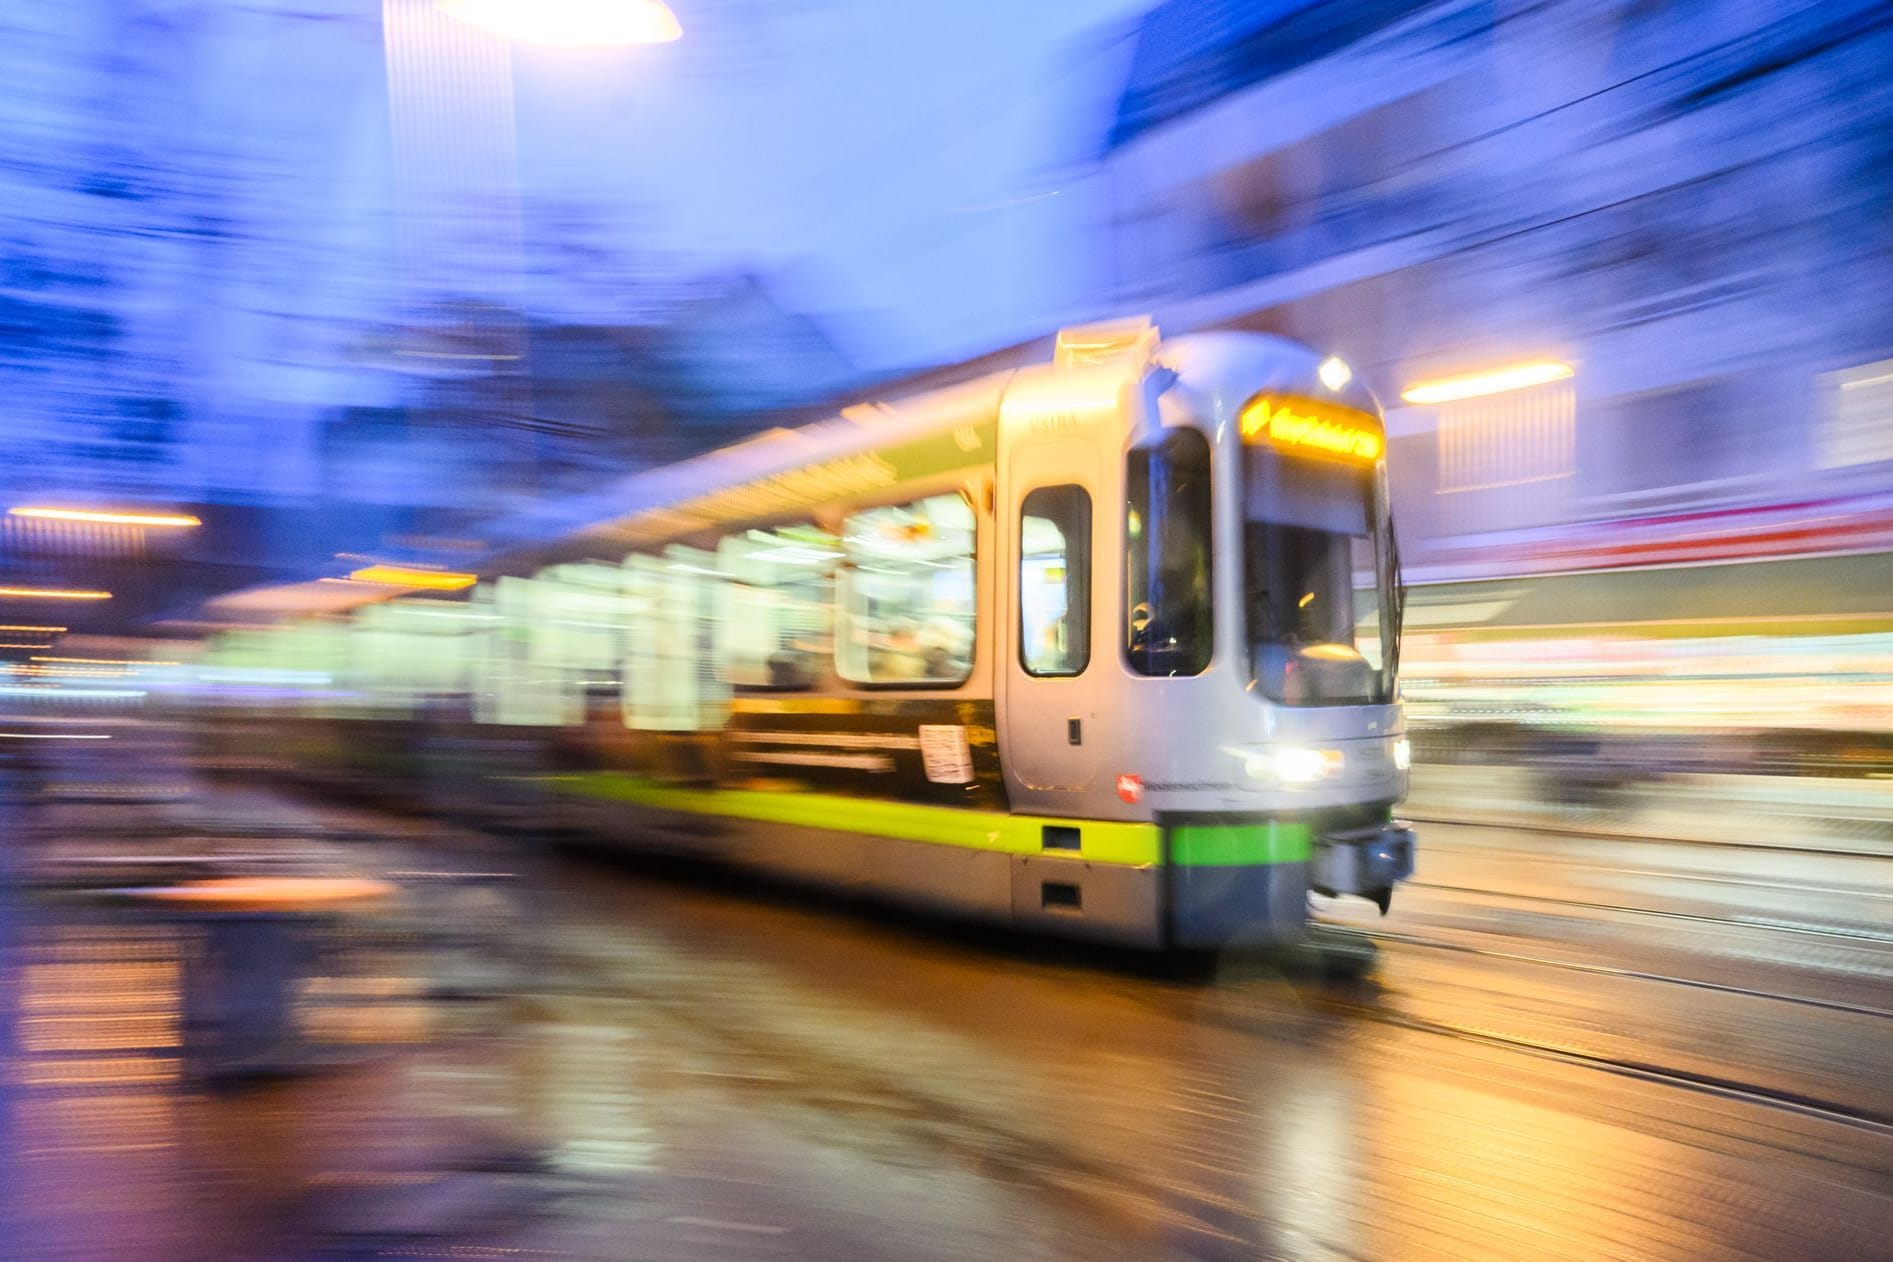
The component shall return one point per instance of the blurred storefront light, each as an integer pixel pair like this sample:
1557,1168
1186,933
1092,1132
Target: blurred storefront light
1497,381
55,736
174,521
577,23
401,576
52,593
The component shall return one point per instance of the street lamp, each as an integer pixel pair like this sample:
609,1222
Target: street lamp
590,23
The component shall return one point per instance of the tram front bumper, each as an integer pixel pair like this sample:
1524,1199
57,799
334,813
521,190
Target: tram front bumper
1368,862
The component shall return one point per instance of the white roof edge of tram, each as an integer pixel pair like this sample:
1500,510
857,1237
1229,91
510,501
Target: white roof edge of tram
853,429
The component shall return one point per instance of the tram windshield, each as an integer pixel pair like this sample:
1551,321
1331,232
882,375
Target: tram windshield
1318,580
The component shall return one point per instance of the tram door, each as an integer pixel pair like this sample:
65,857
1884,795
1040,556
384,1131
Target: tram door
1052,721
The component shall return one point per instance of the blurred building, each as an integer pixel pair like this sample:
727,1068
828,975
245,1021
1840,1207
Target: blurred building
189,243
271,262
1623,274
1690,206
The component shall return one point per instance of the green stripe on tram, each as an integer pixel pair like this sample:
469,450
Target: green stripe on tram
1238,845
1100,841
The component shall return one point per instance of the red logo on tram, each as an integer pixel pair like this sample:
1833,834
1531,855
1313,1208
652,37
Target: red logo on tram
1130,788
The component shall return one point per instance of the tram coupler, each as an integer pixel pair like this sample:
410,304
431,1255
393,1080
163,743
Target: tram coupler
1368,862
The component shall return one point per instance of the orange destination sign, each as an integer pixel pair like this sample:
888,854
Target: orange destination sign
1307,427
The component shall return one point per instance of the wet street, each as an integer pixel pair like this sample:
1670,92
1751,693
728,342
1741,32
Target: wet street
1568,1047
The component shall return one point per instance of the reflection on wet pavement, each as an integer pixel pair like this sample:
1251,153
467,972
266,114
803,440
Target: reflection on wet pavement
536,1055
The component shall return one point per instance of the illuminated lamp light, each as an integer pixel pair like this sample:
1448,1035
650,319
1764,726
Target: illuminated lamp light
1304,427
1498,381
17,626
401,576
171,520
1296,766
54,736
572,23
1334,372
105,661
52,593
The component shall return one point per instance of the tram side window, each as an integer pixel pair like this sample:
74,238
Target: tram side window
906,608
1167,627
776,619
673,680
1055,581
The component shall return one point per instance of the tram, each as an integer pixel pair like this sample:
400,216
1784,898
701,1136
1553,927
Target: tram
1104,647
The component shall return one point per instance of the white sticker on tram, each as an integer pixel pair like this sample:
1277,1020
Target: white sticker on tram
945,753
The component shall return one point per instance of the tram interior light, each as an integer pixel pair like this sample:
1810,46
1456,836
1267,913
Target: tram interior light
1334,372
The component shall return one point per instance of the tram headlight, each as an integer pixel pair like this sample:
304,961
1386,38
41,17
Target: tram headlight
1402,753
1295,765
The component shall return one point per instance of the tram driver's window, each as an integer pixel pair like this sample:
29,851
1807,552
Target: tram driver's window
1055,581
1167,627
906,607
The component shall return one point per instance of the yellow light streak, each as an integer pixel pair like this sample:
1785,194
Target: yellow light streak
574,23
53,593
401,576
17,626
106,661
174,520
68,672
1498,381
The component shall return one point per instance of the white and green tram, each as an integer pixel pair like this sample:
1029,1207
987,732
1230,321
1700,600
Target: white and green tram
1104,647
